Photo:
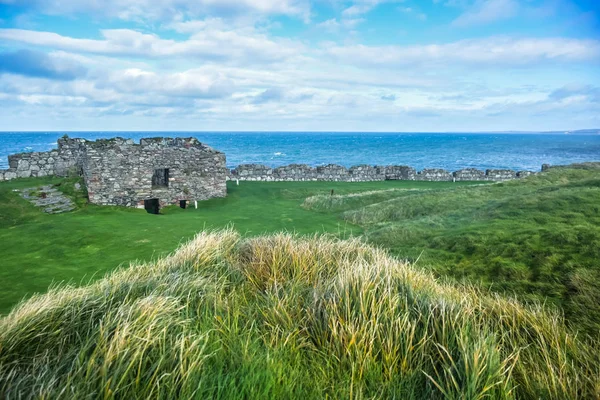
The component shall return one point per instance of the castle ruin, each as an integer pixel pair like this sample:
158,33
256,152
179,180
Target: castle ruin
157,172
154,173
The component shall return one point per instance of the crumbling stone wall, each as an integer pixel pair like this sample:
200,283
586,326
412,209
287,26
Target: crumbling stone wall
469,174
400,173
119,171
332,172
303,172
500,174
295,172
64,161
435,175
365,173
524,174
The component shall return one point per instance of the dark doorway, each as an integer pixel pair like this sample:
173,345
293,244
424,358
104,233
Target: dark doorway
160,178
183,204
152,206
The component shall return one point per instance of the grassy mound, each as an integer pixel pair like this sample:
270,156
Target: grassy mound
282,316
537,237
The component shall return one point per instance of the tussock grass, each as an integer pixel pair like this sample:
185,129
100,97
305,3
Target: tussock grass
282,316
343,202
535,237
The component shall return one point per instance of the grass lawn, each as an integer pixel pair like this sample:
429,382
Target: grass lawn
537,238
282,316
38,250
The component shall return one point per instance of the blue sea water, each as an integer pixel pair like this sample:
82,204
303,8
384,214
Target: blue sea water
451,151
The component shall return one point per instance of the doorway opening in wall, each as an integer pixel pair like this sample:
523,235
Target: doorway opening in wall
160,178
152,206
183,204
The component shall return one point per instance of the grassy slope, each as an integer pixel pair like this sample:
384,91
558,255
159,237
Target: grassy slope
37,249
538,238
283,317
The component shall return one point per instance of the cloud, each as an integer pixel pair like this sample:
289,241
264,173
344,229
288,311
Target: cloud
487,11
361,7
412,11
280,95
268,95
195,83
388,97
333,25
330,25
490,51
246,46
209,43
164,10
41,65
576,92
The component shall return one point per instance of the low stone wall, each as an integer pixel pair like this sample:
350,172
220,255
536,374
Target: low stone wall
65,160
366,173
60,162
435,174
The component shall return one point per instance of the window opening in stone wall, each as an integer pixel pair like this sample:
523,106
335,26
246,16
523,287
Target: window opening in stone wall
152,206
160,177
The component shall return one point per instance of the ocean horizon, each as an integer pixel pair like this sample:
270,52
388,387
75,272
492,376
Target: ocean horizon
448,150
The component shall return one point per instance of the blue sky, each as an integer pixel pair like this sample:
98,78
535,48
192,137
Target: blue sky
321,65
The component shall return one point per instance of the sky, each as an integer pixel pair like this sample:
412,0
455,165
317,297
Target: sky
300,65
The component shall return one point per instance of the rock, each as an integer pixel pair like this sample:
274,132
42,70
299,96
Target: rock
23,165
10,174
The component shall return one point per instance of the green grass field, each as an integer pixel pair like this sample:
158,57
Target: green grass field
238,314
538,238
38,250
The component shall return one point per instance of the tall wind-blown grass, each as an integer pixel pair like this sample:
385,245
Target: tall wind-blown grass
287,317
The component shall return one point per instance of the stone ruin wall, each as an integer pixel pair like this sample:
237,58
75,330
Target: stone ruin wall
366,173
119,171
70,159
64,161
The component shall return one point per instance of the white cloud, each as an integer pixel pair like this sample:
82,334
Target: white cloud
197,83
487,11
333,25
412,11
210,43
233,74
166,9
330,25
492,51
246,46
360,7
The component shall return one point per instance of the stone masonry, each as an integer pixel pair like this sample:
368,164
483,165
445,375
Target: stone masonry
364,173
121,172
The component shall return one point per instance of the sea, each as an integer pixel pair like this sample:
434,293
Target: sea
451,151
